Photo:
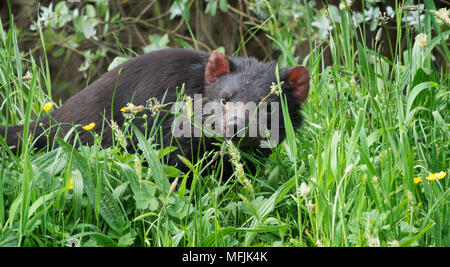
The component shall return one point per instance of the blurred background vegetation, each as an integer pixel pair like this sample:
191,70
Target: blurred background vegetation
82,38
376,122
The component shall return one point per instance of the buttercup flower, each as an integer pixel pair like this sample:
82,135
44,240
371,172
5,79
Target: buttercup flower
71,183
434,176
48,106
417,180
431,177
89,126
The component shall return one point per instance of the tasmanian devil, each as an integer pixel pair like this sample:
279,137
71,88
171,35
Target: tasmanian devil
229,91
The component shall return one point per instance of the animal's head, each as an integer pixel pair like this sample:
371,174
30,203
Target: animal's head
247,94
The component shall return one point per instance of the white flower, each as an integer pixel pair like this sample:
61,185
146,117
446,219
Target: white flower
345,4
310,206
416,17
390,12
443,15
421,39
46,13
304,189
323,25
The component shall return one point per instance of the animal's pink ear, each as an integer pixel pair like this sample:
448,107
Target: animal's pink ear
298,77
217,66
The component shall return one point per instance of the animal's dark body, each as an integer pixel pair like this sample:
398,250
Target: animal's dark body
215,76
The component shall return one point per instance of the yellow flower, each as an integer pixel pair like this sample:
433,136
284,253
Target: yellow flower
71,183
417,180
89,126
47,106
123,109
434,176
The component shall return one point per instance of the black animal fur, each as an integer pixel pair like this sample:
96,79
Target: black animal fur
161,72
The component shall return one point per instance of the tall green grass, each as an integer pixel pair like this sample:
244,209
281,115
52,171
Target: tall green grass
346,178
364,141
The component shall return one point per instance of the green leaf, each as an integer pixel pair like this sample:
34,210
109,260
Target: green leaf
333,152
142,199
127,240
223,232
77,181
153,204
274,177
223,5
180,8
102,239
420,77
412,95
211,8
157,42
355,135
144,194
43,199
440,122
116,62
183,44
59,52
268,206
108,206
90,11
409,241
172,171
154,163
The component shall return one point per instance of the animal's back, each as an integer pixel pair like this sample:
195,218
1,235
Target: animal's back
141,78
134,81
219,79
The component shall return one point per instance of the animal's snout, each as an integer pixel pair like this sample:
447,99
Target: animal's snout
235,126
